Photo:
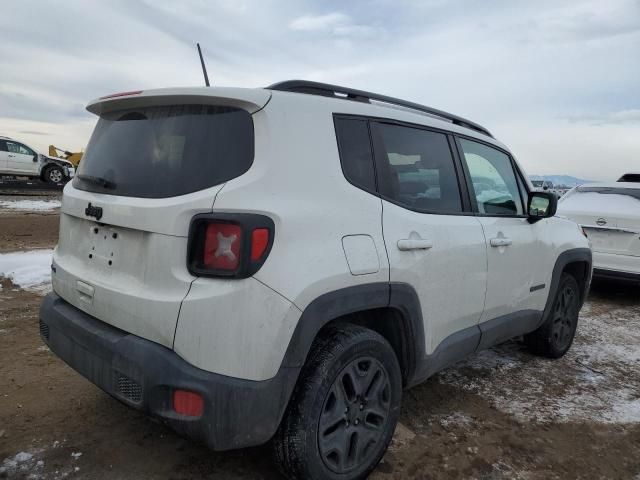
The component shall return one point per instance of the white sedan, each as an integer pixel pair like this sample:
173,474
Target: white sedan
609,215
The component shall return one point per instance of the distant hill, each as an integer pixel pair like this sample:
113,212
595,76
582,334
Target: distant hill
567,180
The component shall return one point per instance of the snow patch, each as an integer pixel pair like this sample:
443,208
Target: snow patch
21,464
596,381
455,419
30,205
31,270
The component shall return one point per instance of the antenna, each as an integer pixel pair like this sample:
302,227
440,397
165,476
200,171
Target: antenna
204,68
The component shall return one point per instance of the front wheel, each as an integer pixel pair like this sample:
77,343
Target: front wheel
554,338
53,174
344,410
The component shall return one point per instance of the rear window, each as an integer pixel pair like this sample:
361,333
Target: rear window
159,152
631,192
604,200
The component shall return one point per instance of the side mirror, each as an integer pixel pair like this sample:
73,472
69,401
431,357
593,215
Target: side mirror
541,205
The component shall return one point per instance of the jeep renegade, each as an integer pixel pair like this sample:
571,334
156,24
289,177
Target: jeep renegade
278,264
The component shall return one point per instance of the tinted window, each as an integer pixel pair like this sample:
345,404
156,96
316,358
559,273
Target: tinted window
158,152
355,152
419,171
3,146
493,179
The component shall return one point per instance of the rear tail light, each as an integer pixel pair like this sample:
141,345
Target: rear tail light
222,246
229,245
259,243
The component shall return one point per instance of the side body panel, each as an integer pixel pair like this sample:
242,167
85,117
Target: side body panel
517,272
450,277
22,164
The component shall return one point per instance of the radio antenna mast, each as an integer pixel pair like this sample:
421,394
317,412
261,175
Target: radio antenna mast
204,68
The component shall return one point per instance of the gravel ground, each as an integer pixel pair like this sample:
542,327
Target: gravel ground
501,414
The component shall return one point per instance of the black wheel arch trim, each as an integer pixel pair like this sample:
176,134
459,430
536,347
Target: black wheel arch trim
574,255
338,303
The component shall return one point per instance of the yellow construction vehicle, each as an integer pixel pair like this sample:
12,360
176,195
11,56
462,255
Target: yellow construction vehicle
73,157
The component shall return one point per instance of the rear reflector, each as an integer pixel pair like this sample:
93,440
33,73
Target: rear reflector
187,403
222,246
121,94
259,243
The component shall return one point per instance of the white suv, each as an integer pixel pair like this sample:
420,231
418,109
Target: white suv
609,214
279,264
18,159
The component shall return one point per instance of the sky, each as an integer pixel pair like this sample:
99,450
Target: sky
557,81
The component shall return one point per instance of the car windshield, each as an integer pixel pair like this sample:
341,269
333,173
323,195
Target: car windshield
158,152
537,183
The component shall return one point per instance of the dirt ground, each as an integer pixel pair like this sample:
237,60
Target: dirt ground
502,414
25,230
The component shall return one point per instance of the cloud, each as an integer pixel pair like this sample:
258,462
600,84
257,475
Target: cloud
621,117
539,75
309,23
335,23
33,132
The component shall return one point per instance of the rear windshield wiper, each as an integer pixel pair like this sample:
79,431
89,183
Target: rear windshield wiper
102,182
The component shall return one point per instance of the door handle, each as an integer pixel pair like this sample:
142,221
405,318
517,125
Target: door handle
414,244
11,156
500,242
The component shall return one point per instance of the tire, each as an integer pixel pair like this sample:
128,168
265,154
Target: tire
344,409
555,336
53,174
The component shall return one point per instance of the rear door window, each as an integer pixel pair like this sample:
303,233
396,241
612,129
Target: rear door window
166,151
417,169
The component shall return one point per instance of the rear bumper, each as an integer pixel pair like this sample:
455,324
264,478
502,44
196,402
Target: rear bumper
626,267
143,374
616,275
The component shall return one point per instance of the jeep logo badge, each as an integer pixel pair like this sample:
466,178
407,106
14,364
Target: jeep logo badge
92,211
601,222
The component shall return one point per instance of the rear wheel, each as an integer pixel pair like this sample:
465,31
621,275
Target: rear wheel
53,174
554,338
344,409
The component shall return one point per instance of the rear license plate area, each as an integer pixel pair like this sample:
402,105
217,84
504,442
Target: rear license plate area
104,247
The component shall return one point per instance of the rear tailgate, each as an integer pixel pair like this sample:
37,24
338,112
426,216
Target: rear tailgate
129,268
609,216
154,161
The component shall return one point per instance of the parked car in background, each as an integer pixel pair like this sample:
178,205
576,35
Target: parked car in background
547,186
630,177
542,184
609,214
303,254
20,160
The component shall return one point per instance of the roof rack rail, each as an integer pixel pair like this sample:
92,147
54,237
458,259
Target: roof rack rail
335,91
